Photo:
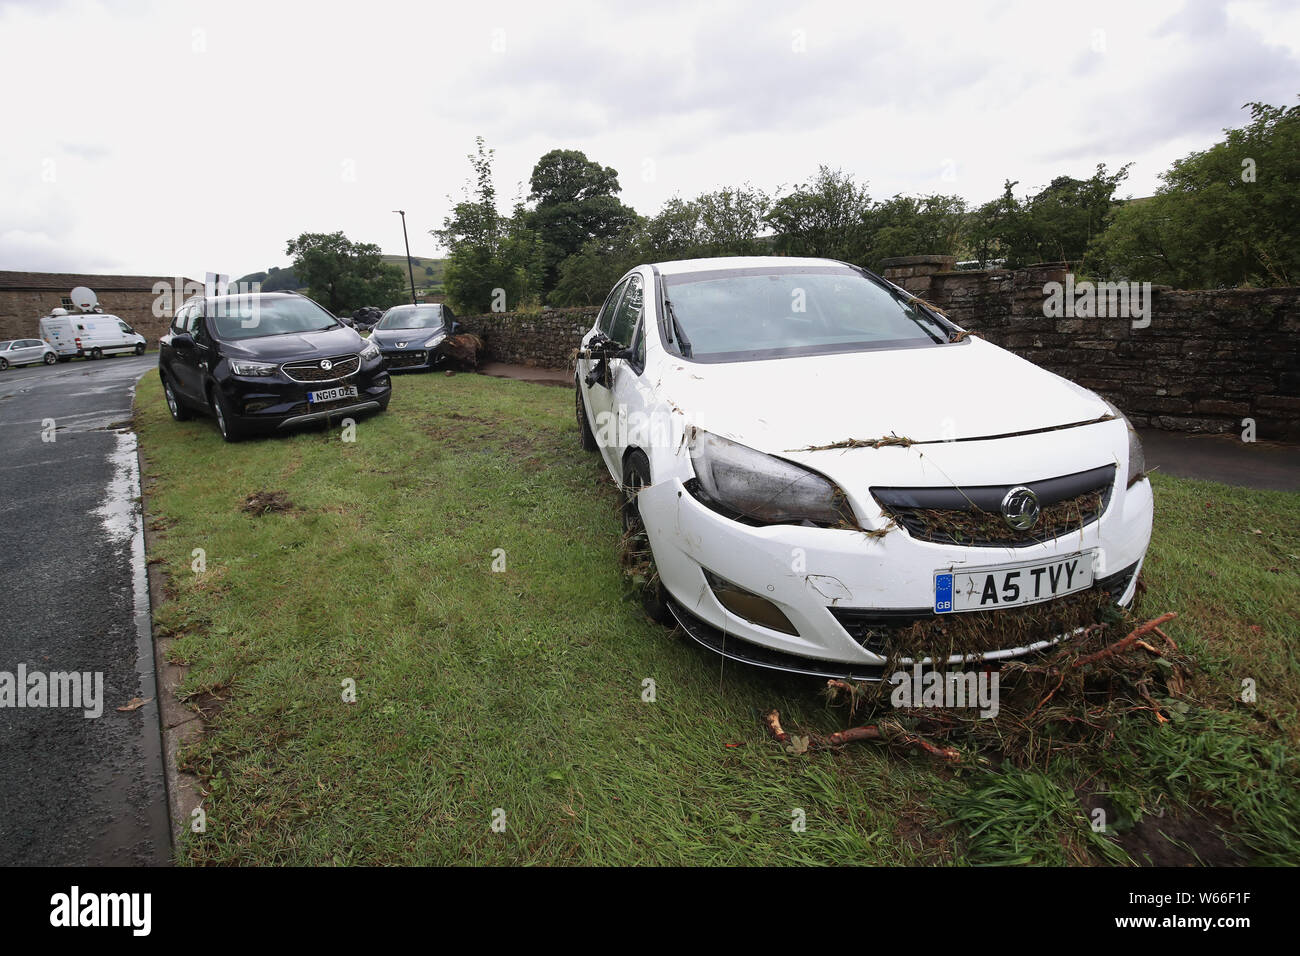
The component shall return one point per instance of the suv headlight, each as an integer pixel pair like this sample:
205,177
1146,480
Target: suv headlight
240,367
764,488
1137,459
371,351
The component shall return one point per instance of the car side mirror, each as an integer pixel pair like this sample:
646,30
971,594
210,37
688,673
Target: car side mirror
455,328
182,340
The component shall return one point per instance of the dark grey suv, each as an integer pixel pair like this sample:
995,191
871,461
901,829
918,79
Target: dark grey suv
269,361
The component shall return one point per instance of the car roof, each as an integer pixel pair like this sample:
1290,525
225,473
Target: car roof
719,263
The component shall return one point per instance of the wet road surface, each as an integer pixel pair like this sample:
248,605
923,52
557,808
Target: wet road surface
74,598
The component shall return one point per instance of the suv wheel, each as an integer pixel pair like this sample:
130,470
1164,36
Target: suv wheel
179,412
231,429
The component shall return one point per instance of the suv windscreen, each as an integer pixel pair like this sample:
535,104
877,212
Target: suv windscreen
248,317
740,314
412,317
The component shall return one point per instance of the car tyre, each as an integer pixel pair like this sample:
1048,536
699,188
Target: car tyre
230,428
4,364
139,349
174,404
49,358
636,475
96,354
584,429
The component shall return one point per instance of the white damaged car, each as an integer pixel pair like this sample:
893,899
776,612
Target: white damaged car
832,477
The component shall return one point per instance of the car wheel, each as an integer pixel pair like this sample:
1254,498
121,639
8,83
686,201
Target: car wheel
636,543
174,405
49,358
230,428
96,354
584,429
4,364
139,349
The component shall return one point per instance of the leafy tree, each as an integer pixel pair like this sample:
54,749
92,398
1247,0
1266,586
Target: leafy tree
343,275
586,277
1056,224
1224,216
913,225
487,251
828,216
576,202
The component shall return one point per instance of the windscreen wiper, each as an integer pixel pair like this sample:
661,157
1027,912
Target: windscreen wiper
683,343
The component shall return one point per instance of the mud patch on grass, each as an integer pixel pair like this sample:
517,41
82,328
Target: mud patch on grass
261,503
1184,837
208,703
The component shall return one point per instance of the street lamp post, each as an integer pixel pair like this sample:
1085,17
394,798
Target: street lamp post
409,270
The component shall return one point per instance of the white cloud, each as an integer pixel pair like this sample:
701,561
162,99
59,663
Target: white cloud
192,137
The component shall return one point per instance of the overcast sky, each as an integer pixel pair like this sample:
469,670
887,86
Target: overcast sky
180,138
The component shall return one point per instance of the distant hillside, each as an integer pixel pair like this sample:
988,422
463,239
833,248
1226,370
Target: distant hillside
428,272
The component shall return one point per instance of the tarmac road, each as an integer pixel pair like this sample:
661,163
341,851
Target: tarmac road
74,598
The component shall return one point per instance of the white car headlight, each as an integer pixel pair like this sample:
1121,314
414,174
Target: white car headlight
1137,458
371,351
240,367
435,341
764,488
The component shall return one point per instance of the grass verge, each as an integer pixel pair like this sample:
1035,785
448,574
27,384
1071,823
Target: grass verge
330,564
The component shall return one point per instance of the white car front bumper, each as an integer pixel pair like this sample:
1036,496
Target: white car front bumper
818,576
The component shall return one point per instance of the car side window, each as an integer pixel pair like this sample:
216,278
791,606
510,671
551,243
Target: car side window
628,312
197,327
607,310
182,314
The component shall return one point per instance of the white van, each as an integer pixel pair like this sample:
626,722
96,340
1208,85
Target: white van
89,334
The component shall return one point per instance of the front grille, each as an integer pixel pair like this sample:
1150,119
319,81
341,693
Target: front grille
973,516
904,631
341,367
404,359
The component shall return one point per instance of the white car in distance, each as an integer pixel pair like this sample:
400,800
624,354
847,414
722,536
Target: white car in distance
831,476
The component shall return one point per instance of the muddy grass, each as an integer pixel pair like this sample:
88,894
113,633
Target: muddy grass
1187,837
266,502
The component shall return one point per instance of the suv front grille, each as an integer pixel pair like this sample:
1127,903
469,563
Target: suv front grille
973,516
311,371
885,632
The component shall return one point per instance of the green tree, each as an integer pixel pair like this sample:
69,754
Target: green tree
1222,217
490,256
576,202
827,216
1053,225
915,225
343,275
586,277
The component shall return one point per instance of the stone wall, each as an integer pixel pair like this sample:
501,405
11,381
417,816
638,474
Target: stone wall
542,340
1206,361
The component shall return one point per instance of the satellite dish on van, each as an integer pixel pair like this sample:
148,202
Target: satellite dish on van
84,299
